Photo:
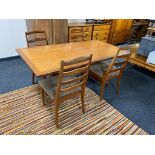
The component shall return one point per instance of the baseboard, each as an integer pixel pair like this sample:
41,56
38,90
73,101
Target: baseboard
9,58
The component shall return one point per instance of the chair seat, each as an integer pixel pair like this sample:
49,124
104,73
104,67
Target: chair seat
50,83
101,67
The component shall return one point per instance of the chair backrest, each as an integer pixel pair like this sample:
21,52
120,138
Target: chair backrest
119,61
36,38
76,34
73,76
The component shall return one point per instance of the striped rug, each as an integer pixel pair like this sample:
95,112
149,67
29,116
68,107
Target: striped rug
22,113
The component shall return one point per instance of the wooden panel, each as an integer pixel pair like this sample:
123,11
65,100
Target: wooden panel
44,60
56,29
120,31
60,31
41,24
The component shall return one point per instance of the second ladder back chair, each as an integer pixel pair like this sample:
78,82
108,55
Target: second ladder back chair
76,34
36,38
106,70
70,82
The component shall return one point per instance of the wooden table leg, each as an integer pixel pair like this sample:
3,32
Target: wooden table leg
33,76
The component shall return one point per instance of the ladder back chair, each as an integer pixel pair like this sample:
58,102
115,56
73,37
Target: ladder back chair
36,38
106,70
70,82
76,34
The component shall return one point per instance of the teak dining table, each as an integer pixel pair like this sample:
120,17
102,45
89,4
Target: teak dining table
44,60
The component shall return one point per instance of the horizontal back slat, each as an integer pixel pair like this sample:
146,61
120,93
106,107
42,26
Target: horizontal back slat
37,40
70,88
75,71
32,38
34,32
74,79
116,69
119,63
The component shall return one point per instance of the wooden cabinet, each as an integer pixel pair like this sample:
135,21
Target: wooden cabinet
101,32
120,30
79,32
87,32
56,29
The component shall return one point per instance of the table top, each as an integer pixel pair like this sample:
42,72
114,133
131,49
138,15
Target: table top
44,60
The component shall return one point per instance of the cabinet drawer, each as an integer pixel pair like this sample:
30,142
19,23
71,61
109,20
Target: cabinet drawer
101,27
103,32
86,38
100,37
87,34
87,29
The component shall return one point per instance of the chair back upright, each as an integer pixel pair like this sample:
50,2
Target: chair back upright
119,61
77,72
36,38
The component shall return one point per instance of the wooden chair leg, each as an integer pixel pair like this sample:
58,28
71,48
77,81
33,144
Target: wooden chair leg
82,100
107,82
118,86
33,78
102,90
56,113
43,98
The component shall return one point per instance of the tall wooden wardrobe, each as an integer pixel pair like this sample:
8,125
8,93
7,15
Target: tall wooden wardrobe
120,30
56,29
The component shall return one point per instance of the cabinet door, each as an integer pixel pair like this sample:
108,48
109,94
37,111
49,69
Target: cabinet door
56,29
119,25
129,24
60,31
121,30
40,24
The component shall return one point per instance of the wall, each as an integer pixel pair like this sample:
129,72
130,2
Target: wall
12,36
76,20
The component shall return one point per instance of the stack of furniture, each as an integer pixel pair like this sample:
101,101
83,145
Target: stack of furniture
140,60
151,31
139,29
146,46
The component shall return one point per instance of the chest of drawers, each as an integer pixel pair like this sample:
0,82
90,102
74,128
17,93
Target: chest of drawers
84,32
101,32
